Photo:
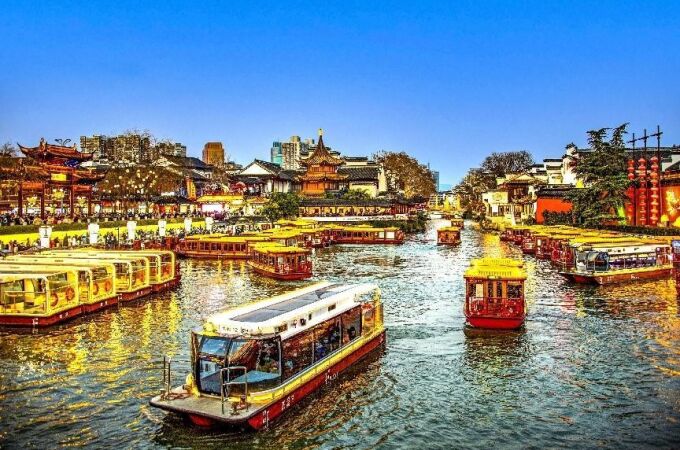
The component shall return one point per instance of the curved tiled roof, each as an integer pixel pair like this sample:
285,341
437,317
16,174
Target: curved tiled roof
321,155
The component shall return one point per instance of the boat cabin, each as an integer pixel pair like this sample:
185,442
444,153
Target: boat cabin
448,236
458,222
494,293
370,235
37,299
95,280
229,247
274,260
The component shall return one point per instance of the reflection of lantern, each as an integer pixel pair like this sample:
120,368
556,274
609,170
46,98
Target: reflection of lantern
161,227
642,205
209,224
187,224
93,233
45,232
630,210
131,228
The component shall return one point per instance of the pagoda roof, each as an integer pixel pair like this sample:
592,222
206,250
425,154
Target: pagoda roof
321,155
45,151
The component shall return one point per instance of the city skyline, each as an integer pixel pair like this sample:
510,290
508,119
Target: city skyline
446,83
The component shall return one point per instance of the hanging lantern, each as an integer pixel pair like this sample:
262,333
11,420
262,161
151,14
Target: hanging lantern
654,192
630,209
642,204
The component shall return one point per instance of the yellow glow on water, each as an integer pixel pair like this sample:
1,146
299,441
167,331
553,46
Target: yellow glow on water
77,356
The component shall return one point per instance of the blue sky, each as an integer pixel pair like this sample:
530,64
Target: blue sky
448,82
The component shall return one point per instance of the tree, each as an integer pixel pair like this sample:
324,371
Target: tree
470,190
603,173
282,206
8,150
500,164
406,175
356,194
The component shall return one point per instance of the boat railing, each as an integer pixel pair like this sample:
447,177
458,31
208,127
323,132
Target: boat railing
167,376
226,385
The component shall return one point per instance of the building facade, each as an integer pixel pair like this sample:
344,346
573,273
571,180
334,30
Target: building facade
213,154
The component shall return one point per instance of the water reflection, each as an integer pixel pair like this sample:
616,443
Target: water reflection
593,365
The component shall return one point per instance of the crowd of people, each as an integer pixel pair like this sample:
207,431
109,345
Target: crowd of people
12,218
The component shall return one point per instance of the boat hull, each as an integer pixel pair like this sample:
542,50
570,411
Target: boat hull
139,293
93,307
612,277
264,416
371,241
495,323
281,276
42,321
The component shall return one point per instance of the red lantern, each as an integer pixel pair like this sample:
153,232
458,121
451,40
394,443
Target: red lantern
642,204
654,192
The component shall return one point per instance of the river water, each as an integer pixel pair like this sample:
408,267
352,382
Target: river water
594,367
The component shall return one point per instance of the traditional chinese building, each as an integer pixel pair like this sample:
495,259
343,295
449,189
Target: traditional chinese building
321,173
50,181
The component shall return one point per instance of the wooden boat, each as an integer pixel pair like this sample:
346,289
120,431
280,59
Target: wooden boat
448,236
253,363
361,234
35,299
96,279
619,261
274,260
223,247
458,223
132,272
494,294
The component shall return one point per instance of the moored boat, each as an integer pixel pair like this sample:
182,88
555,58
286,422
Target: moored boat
448,236
37,299
494,294
218,247
277,261
362,234
619,261
252,363
458,222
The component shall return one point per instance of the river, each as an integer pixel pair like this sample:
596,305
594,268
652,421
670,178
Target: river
594,367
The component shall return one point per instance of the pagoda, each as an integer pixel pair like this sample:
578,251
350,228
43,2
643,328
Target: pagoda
321,171
51,178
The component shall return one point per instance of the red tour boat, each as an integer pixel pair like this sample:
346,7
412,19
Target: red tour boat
495,293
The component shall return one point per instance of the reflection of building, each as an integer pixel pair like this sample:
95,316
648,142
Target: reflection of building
322,171
213,154
51,181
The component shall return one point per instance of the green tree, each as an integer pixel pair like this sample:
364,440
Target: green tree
406,175
603,173
356,194
282,206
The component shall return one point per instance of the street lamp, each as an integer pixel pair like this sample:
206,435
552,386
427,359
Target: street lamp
45,232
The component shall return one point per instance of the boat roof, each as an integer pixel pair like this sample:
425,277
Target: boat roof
496,268
14,276
32,266
275,314
368,228
451,228
276,248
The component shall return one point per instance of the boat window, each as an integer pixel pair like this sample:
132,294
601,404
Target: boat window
368,318
514,289
210,361
326,338
351,325
297,353
261,362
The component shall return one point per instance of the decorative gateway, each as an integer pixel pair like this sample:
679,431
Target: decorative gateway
252,363
494,296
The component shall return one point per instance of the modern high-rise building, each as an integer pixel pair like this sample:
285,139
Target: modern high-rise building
292,152
213,154
277,153
171,148
435,175
128,148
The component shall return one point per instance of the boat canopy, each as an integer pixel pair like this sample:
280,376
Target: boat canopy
290,313
496,268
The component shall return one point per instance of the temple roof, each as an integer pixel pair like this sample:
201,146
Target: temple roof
321,155
54,153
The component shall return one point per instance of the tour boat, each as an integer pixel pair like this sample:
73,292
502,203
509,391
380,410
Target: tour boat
132,272
361,234
494,296
224,247
529,245
675,247
274,260
252,363
95,279
37,299
619,261
448,236
458,223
